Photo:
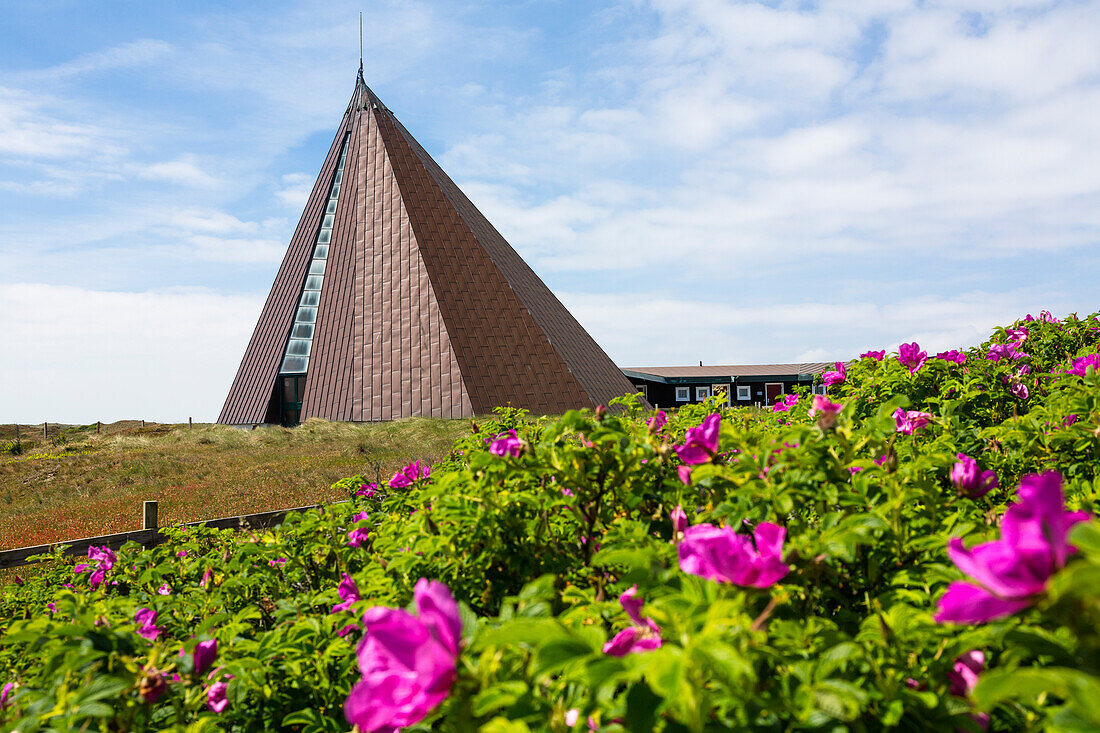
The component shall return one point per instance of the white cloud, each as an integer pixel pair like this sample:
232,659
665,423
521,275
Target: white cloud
141,52
89,355
295,190
30,127
813,330
183,171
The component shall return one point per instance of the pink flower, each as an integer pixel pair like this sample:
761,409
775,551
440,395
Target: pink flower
657,422
968,480
408,475
679,522
1008,574
5,693
910,356
1081,365
279,562
407,662
1069,420
572,716
181,553
953,355
642,635
367,490
700,443
567,492
164,590
824,406
348,592
719,553
908,422
205,578
786,403
963,678
204,655
876,355
1019,389
358,536
1046,317
506,444
215,697
146,619
684,472
1017,335
826,411
1009,352
835,377
104,558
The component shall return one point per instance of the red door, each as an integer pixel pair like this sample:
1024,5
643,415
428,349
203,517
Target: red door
771,391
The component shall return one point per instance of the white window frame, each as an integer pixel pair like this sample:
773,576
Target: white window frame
819,389
702,392
643,388
744,392
685,392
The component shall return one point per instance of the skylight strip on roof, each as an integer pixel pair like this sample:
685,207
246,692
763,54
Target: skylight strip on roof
300,341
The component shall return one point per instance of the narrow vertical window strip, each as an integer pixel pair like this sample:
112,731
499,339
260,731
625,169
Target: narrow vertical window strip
299,344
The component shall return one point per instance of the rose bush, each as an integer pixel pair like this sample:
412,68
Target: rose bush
916,551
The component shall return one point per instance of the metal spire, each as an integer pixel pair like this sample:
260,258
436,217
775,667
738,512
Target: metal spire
360,43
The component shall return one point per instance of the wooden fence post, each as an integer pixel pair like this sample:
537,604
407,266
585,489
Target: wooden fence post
97,427
45,429
142,423
188,422
149,520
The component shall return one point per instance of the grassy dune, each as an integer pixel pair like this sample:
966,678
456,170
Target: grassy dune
82,484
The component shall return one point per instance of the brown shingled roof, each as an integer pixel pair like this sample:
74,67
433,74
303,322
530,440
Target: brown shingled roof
424,309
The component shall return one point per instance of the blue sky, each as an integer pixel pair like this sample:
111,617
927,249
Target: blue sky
697,180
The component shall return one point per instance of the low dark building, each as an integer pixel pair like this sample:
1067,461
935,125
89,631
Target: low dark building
754,384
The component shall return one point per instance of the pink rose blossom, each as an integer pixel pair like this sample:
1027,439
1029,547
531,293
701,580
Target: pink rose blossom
5,693
835,377
1007,575
952,355
911,357
969,480
1019,389
720,554
642,635
164,589
657,422
908,422
409,475
786,403
215,697
407,662
700,443
876,355
146,619
104,558
506,444
348,592
684,472
1008,352
181,553
679,522
824,406
1017,335
204,655
1081,365
367,490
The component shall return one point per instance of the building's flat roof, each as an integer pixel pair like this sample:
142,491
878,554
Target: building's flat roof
729,372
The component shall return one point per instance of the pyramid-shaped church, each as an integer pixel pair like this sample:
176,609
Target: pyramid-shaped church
398,298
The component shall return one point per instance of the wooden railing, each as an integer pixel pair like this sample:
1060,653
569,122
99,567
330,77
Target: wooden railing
149,534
